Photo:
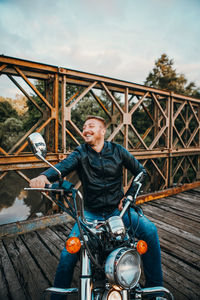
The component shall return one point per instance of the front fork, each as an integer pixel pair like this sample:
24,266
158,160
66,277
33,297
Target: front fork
85,281
85,290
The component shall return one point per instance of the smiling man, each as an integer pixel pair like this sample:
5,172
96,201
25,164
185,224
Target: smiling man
94,131
99,165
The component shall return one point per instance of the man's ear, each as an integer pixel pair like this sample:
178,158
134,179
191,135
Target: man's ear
104,131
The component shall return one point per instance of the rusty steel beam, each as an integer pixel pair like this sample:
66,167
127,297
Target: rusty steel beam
63,124
83,82
38,130
3,175
27,64
24,92
3,67
27,161
74,81
56,111
24,138
28,73
101,104
87,76
33,87
9,162
167,192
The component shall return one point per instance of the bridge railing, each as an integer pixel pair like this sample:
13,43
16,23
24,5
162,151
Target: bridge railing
158,127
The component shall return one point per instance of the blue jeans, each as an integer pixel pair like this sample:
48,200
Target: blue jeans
146,231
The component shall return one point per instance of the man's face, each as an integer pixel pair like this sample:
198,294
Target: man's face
93,131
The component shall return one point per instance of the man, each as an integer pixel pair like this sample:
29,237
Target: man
99,165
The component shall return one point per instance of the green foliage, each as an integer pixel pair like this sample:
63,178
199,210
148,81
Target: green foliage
164,76
11,125
6,111
10,132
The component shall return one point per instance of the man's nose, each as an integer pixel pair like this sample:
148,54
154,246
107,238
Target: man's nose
84,130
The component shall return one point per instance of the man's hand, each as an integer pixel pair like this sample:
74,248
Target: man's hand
120,205
39,182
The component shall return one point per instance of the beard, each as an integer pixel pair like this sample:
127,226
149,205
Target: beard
93,140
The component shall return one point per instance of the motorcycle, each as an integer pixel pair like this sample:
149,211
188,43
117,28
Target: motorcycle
110,256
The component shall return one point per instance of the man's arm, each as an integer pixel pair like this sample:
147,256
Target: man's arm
135,167
130,162
66,166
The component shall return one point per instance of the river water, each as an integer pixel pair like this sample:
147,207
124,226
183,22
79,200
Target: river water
17,204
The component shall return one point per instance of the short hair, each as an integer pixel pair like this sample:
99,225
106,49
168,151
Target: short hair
97,118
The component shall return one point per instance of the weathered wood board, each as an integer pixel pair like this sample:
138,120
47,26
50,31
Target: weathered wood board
29,260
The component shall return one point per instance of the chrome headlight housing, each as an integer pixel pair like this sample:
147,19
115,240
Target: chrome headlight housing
123,267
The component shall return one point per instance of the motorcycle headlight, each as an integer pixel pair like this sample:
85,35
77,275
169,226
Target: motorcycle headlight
112,294
123,268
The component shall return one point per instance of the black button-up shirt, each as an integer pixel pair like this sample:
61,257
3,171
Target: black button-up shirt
101,174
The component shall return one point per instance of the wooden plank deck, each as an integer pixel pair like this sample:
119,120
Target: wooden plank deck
28,261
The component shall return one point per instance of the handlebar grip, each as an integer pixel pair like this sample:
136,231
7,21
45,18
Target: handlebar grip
130,198
47,186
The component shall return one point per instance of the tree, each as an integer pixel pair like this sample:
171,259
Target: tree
10,124
164,76
10,132
6,110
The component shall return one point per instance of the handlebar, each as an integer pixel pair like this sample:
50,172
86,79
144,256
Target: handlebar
45,189
131,199
128,202
139,177
48,188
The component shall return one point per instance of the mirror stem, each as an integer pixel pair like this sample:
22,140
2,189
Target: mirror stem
59,173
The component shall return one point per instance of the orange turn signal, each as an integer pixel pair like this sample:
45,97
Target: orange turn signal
73,245
142,247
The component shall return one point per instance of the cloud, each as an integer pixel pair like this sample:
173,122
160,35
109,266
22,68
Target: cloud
113,38
191,71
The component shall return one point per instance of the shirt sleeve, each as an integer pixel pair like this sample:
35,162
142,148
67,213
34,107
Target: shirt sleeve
66,166
130,162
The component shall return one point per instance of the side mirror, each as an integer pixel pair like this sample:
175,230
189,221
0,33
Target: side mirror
37,144
38,147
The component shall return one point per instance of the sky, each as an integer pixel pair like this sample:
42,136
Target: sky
116,38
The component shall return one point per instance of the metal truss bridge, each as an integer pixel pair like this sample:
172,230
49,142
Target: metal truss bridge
160,128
